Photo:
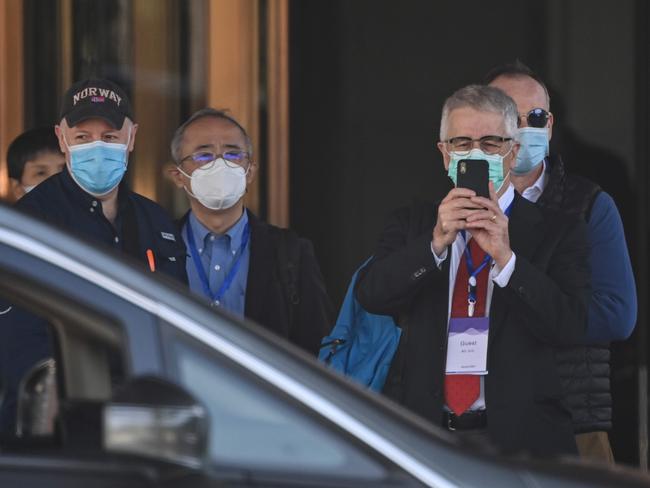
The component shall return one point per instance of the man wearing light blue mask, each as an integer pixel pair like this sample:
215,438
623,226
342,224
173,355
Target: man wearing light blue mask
584,368
89,198
97,133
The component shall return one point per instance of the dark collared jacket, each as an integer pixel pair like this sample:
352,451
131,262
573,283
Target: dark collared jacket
267,302
140,224
543,306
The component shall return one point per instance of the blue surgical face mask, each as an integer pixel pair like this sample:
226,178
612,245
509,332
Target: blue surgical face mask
98,167
495,166
533,149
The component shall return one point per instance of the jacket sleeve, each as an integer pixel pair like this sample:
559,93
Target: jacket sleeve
399,267
613,305
314,313
552,304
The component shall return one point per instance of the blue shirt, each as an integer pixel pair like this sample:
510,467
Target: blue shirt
613,304
612,310
218,253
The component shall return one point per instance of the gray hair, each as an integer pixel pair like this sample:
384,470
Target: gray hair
481,98
205,112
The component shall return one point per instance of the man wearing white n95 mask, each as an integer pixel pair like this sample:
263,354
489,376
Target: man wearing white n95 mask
236,261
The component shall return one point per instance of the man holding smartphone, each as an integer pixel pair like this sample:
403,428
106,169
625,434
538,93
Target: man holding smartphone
484,290
584,368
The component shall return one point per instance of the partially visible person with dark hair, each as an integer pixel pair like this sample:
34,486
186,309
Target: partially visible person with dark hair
33,157
584,368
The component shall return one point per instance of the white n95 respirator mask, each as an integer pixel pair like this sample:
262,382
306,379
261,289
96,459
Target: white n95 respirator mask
218,185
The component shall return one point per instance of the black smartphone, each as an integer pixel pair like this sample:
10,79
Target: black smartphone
473,174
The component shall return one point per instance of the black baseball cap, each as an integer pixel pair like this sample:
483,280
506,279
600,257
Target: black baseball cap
95,98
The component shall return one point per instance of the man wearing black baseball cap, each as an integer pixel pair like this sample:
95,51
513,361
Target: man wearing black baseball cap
89,198
96,133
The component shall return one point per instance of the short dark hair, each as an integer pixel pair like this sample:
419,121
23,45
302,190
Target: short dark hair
200,114
29,145
515,70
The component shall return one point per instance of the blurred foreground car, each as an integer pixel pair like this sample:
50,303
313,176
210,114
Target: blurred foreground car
149,386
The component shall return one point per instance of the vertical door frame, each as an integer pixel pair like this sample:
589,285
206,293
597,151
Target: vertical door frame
11,82
156,106
278,112
233,68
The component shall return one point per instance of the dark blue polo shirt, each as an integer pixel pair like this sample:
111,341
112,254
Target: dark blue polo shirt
140,223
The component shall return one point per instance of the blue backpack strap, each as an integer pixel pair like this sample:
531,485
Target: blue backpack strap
334,346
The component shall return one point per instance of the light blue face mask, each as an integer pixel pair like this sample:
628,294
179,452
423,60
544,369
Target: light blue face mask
533,149
98,166
495,166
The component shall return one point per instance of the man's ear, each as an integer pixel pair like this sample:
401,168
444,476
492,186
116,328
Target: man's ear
551,120
16,189
513,155
252,172
445,156
134,130
59,134
172,173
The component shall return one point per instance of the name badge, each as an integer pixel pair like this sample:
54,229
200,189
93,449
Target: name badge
168,236
467,345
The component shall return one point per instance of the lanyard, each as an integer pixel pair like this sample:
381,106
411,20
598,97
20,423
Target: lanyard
205,282
473,272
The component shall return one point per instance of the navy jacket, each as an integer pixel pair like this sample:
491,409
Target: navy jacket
140,224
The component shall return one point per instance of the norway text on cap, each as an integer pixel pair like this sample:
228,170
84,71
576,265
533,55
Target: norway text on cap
96,92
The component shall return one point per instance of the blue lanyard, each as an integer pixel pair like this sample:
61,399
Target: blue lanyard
205,282
473,272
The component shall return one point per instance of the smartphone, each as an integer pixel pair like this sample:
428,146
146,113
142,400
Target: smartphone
473,174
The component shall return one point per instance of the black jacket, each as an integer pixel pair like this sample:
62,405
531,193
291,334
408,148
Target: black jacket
268,302
584,370
543,306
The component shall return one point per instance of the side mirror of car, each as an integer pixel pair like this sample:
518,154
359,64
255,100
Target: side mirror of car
157,419
38,402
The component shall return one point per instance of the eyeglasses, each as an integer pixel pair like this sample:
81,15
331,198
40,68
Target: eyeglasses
205,159
537,117
488,144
